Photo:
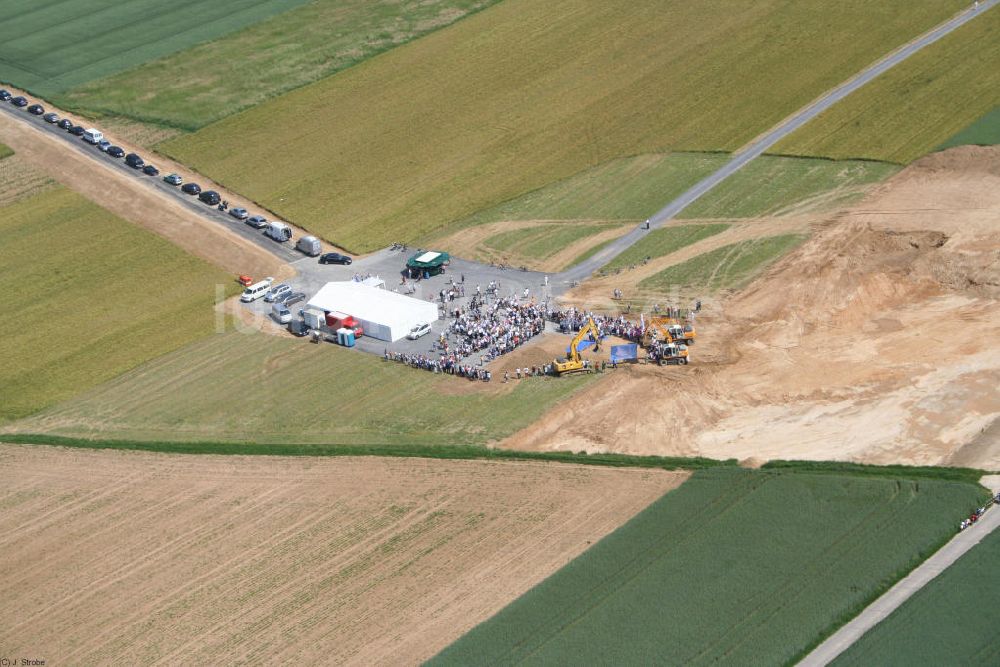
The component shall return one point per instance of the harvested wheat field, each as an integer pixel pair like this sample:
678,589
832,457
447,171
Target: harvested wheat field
116,557
874,341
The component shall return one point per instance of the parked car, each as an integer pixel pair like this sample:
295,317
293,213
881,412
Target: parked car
239,213
210,197
36,109
19,101
174,179
5,95
191,188
51,117
418,331
76,130
335,258
277,291
280,313
65,124
298,328
103,145
150,170
135,161
257,221
116,151
291,298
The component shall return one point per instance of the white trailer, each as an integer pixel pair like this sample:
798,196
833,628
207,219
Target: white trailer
278,231
93,136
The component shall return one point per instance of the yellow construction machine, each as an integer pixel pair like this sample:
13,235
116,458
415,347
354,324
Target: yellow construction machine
667,330
574,364
673,353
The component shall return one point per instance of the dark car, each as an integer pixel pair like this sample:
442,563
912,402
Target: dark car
64,124
257,221
150,170
36,109
298,328
334,258
210,197
135,161
291,298
176,179
116,151
51,117
19,101
77,130
5,95
191,188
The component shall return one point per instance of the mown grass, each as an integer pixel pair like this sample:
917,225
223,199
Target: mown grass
729,267
197,86
542,241
5,151
526,93
772,185
663,241
51,47
735,567
916,106
984,131
257,388
950,621
89,296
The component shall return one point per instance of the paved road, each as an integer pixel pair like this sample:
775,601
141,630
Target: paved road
766,141
898,594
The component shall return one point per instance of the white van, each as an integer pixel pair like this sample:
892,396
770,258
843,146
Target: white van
278,231
93,136
309,245
256,290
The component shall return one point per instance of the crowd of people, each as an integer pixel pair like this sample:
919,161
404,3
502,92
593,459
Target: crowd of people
449,364
978,514
493,328
573,319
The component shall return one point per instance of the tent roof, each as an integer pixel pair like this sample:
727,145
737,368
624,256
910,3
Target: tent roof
428,260
374,305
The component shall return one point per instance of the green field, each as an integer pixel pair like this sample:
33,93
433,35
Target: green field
89,296
772,185
202,84
260,388
526,93
542,241
663,241
736,567
983,131
729,267
53,45
951,621
916,106
5,151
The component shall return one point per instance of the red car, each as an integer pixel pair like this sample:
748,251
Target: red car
246,281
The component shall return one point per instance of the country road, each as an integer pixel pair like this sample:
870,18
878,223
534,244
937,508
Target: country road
946,556
756,148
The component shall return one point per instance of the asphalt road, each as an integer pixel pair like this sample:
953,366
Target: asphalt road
766,141
284,251
839,642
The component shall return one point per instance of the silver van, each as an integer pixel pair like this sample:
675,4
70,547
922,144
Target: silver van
309,245
281,313
277,291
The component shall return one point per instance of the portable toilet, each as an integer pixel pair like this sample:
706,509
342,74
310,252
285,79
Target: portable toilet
345,337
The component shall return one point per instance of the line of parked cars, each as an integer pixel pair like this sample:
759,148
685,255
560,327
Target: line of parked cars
276,230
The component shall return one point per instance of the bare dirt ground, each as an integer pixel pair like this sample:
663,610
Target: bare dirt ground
874,341
136,558
141,205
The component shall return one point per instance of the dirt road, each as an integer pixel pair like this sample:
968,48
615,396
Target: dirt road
136,558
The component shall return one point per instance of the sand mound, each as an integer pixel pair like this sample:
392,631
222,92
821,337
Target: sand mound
873,341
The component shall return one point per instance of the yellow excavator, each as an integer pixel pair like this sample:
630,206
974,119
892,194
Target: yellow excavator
574,364
673,353
668,330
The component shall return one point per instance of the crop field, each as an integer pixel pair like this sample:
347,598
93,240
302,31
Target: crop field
5,151
772,185
951,621
79,279
135,558
507,101
192,88
18,179
663,241
312,393
734,567
51,46
984,131
729,267
916,106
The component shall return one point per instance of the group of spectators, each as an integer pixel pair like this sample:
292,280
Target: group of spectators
446,363
573,320
493,328
975,516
